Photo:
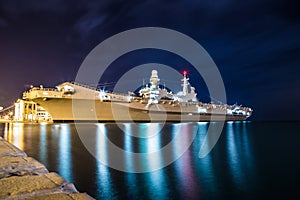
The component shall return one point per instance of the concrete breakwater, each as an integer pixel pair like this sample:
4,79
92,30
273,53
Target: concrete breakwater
22,177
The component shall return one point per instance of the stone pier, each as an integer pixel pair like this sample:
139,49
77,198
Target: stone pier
22,177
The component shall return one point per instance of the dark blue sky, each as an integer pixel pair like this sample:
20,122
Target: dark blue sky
255,44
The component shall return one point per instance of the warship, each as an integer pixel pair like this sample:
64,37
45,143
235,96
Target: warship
71,101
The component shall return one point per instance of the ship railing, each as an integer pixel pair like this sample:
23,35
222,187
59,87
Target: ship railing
96,89
86,86
99,90
41,92
41,89
118,94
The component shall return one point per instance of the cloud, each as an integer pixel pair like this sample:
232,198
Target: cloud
88,22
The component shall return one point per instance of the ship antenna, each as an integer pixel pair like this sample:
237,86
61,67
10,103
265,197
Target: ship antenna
185,83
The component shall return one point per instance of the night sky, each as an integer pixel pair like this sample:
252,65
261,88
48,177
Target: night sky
254,43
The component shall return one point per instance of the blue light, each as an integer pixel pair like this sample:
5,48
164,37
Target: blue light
103,174
130,178
128,146
233,157
206,168
247,149
150,146
64,151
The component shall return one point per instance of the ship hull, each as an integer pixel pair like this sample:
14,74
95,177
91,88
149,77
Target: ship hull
83,110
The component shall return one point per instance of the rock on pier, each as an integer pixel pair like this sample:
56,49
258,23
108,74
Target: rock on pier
22,177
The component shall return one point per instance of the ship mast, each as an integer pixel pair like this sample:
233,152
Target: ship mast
154,80
185,83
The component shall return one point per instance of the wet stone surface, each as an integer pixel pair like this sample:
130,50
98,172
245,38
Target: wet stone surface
22,177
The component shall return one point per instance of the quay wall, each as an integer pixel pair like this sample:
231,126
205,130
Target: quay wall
22,177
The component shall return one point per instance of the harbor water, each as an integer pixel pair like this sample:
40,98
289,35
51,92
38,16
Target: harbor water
251,160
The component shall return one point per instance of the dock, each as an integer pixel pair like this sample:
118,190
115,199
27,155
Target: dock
22,177
5,121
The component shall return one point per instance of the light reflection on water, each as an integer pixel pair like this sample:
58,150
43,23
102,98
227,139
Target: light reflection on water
233,154
238,149
43,145
184,167
64,152
60,149
103,173
207,171
14,133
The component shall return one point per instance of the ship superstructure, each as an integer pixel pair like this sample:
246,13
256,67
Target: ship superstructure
153,104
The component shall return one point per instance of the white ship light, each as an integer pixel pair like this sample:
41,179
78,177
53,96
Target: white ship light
128,98
45,93
68,89
202,110
103,95
229,111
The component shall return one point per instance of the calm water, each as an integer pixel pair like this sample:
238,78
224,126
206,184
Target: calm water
250,160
